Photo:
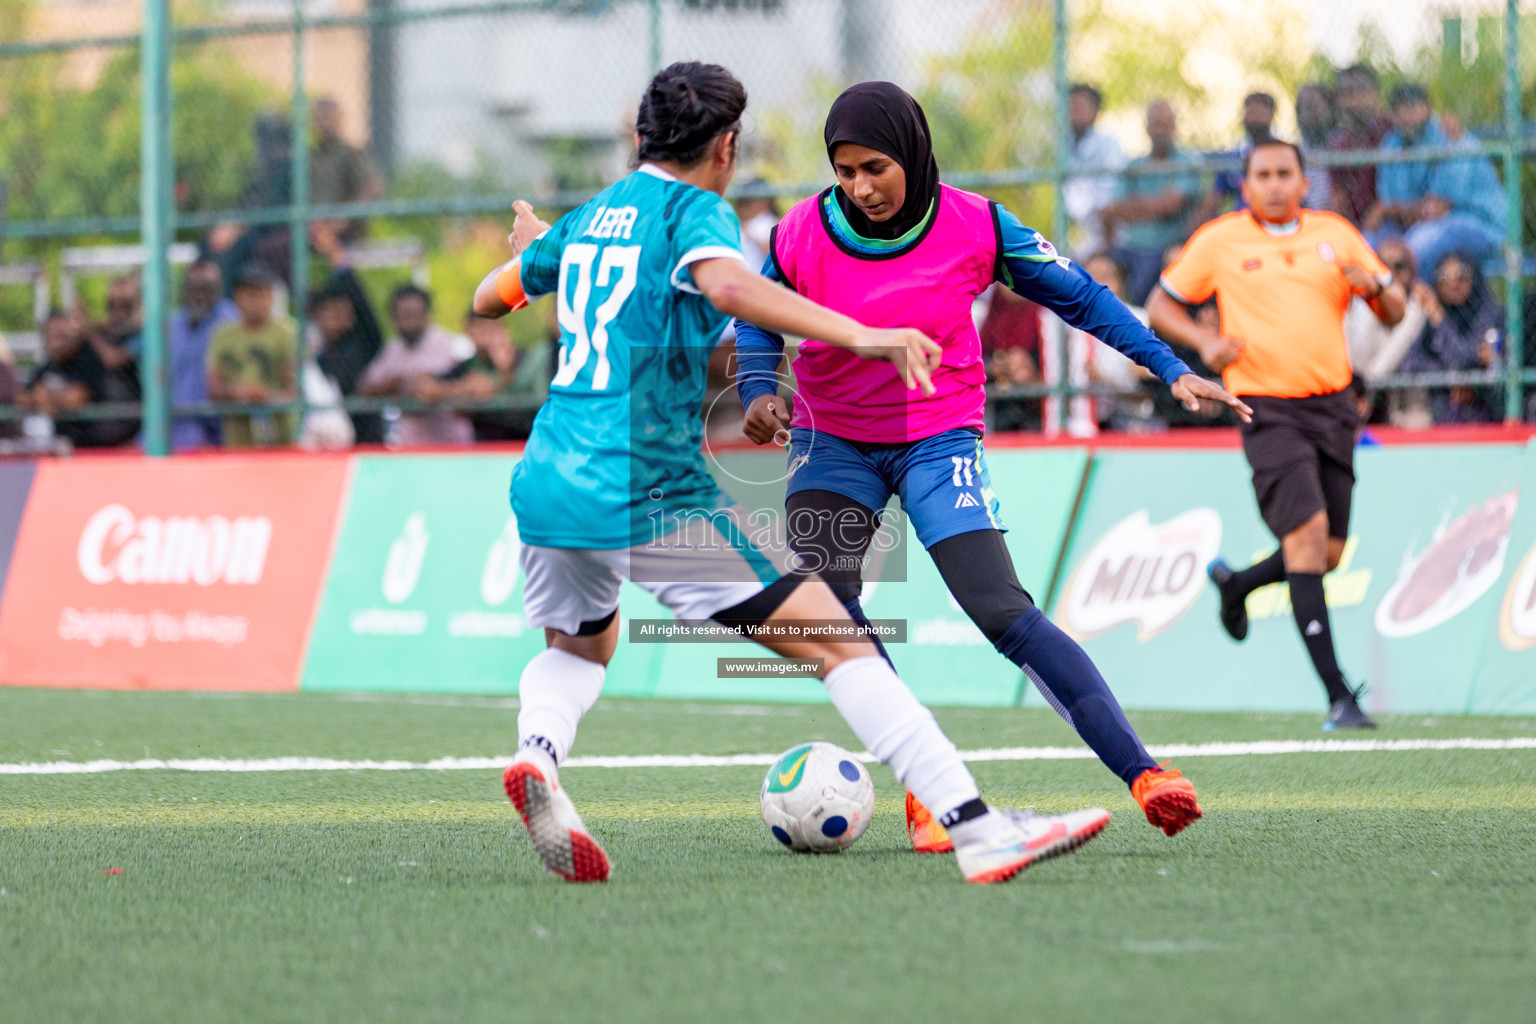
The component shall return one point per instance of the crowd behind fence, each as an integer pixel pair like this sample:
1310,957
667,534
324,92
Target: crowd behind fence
315,282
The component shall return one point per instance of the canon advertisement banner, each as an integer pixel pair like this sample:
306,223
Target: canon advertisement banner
15,487
176,574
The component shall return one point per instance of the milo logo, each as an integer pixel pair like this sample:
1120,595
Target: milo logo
1141,572
786,774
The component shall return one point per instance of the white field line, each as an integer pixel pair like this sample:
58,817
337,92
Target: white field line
668,707
448,764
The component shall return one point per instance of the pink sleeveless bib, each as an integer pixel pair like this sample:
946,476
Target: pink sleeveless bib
930,286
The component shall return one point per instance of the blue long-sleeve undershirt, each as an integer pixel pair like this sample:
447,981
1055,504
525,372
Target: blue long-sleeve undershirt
1031,268
758,354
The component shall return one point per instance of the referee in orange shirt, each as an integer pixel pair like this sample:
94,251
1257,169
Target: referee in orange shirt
1282,278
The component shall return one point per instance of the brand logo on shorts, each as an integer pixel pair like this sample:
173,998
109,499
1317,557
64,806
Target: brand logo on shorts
1142,572
967,500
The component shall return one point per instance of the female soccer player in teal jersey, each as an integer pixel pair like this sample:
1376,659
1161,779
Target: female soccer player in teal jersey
612,483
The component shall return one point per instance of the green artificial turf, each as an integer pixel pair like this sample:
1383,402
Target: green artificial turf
1393,886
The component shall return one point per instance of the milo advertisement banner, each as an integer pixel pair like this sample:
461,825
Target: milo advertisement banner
1506,673
1410,602
425,590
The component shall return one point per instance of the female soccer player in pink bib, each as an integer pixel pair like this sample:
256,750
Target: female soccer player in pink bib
890,245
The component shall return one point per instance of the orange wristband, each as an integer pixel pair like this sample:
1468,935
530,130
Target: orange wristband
509,285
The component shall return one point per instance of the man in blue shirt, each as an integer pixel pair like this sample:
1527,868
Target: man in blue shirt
203,311
1154,210
1440,206
1258,126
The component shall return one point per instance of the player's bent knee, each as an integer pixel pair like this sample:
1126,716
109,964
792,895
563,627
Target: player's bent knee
846,591
834,654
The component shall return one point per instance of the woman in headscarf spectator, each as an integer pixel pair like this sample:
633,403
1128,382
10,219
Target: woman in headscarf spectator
345,337
1465,331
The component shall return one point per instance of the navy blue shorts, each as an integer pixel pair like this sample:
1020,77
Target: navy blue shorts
943,481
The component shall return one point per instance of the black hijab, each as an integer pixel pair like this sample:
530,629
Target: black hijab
1465,315
883,117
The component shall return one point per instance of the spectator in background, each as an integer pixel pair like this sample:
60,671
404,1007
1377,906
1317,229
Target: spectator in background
71,377
345,338
1131,409
203,311
1316,115
1095,160
1009,326
411,365
10,390
1258,125
1156,204
236,246
340,172
1362,125
1376,350
498,367
1442,206
119,338
254,360
117,341
758,218
1464,332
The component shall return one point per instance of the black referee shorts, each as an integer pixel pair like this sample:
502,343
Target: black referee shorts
1302,452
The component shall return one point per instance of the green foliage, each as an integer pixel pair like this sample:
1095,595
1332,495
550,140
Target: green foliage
69,141
990,105
71,150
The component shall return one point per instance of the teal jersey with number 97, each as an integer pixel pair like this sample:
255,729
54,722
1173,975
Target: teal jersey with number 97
617,447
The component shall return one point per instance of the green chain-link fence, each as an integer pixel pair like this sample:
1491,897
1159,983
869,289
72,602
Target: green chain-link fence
433,116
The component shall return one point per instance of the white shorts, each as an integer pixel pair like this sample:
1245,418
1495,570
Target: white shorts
708,565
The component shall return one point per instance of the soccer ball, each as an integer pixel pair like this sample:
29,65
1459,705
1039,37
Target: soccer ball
817,798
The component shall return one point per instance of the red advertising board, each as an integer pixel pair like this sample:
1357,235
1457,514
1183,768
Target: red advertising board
169,574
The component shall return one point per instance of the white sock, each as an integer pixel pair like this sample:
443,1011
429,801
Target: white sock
556,690
898,730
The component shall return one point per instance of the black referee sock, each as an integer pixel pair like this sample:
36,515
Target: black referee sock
1259,574
1311,612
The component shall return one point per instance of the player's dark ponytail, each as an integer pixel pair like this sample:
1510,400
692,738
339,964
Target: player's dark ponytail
685,108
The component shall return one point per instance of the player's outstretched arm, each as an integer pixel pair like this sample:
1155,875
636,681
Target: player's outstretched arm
488,301
1171,319
1191,389
501,291
1036,272
736,291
